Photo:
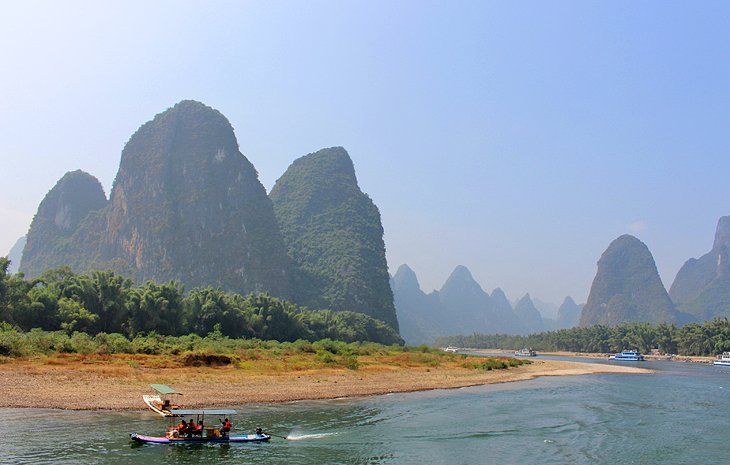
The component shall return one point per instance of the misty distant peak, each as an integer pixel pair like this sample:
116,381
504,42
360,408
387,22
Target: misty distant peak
499,293
405,278
524,300
461,282
568,301
461,273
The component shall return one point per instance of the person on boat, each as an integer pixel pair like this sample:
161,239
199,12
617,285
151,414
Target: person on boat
226,428
191,428
198,430
182,427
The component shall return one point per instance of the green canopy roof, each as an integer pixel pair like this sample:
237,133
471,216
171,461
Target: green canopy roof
163,389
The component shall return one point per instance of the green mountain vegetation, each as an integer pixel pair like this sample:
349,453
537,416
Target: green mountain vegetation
627,287
709,338
333,234
105,302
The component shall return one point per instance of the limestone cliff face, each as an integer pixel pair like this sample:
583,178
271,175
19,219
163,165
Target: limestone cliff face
53,238
627,287
702,286
188,206
333,232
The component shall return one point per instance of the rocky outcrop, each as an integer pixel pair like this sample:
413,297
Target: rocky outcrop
627,287
702,286
333,234
188,206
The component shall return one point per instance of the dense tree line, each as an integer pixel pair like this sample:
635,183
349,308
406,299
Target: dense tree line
708,338
105,302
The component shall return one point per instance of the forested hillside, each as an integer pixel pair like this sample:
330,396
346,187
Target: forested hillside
332,231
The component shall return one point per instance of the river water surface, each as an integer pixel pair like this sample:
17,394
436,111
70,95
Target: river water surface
678,415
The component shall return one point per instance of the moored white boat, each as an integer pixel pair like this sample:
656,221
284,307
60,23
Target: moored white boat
628,356
722,359
526,352
451,349
161,402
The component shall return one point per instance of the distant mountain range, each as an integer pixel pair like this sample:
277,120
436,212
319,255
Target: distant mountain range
187,205
461,306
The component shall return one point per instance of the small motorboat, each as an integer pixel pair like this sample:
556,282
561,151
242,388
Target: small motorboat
722,359
200,432
223,440
451,349
628,356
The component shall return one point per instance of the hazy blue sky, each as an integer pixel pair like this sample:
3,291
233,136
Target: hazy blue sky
516,138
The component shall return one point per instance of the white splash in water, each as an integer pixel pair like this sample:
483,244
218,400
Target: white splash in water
299,437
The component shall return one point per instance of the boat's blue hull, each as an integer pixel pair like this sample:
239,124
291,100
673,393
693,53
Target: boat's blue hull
228,440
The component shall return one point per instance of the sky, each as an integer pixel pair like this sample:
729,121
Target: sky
515,138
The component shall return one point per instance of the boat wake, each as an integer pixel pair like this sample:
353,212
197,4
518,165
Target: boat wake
299,437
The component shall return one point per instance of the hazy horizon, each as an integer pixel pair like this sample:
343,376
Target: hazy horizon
516,139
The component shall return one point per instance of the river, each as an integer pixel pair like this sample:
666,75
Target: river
674,416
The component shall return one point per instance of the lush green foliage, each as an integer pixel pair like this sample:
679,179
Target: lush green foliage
709,338
104,302
333,233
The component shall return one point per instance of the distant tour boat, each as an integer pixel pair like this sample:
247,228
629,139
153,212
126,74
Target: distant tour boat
722,360
628,356
451,349
526,353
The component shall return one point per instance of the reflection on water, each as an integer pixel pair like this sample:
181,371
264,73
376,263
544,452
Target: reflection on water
672,416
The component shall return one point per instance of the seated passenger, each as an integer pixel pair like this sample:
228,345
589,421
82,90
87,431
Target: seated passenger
226,428
198,430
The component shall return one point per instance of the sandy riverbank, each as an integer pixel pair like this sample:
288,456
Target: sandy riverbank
90,386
